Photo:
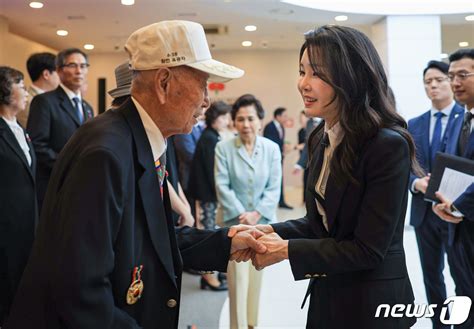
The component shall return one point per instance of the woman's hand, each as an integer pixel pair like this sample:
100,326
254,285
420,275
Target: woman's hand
250,218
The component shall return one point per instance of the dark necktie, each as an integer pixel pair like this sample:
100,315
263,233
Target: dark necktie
465,132
436,138
78,107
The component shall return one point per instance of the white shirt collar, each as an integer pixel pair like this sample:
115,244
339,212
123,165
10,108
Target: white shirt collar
277,124
12,123
71,94
446,111
37,89
468,110
155,137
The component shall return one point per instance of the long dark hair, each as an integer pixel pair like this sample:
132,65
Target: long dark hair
347,60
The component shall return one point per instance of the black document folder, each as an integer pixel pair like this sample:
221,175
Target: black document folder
441,163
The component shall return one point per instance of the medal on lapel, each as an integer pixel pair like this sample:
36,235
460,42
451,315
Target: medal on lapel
136,287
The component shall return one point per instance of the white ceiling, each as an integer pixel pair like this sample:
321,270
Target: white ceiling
107,23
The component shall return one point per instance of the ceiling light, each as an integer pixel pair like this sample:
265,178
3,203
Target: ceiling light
250,28
341,18
128,2
36,5
62,33
246,43
463,44
88,46
443,56
469,18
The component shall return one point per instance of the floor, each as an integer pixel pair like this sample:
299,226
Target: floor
280,308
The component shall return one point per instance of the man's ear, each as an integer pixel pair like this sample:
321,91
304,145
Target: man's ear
46,74
162,81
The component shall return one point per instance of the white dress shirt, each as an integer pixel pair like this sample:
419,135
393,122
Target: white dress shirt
335,135
20,137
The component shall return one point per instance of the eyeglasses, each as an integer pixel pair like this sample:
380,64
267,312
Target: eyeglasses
438,80
75,66
461,76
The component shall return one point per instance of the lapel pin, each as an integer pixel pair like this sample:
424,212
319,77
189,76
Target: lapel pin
134,292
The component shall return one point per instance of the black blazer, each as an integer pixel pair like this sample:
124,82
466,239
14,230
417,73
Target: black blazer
104,215
18,213
51,123
360,262
202,185
271,132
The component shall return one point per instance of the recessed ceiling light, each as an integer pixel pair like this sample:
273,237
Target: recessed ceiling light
128,2
62,33
443,56
463,44
88,46
469,18
36,5
341,18
250,28
246,43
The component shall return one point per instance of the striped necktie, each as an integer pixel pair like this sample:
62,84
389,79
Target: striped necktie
160,167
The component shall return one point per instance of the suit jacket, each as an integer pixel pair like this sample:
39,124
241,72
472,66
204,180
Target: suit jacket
419,128
247,183
18,213
103,216
51,123
201,179
303,159
360,262
465,202
271,132
185,146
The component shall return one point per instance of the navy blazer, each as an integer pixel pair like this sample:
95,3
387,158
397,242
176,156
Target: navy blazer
465,203
51,123
104,215
360,262
271,132
18,213
419,128
185,146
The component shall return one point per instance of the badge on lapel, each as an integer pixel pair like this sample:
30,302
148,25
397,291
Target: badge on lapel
135,290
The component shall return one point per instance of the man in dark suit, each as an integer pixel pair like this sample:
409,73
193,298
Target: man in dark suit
275,131
42,71
428,131
460,141
107,254
56,115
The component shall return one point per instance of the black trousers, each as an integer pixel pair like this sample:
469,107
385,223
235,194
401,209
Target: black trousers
463,250
432,239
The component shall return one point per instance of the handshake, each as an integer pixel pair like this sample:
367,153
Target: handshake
259,243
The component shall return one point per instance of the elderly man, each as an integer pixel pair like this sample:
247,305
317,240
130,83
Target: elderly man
107,254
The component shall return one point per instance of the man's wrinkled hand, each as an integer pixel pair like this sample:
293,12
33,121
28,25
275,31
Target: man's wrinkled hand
245,244
264,228
277,251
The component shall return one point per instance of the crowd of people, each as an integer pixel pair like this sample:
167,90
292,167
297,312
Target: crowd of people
99,216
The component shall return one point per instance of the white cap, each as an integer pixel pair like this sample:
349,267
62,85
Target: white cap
174,43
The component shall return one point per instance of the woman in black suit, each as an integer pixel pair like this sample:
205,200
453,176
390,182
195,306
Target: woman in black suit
201,179
350,243
18,209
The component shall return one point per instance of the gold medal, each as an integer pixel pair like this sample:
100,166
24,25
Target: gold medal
135,290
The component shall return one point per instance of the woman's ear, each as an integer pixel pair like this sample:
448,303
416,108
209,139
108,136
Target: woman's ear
162,81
